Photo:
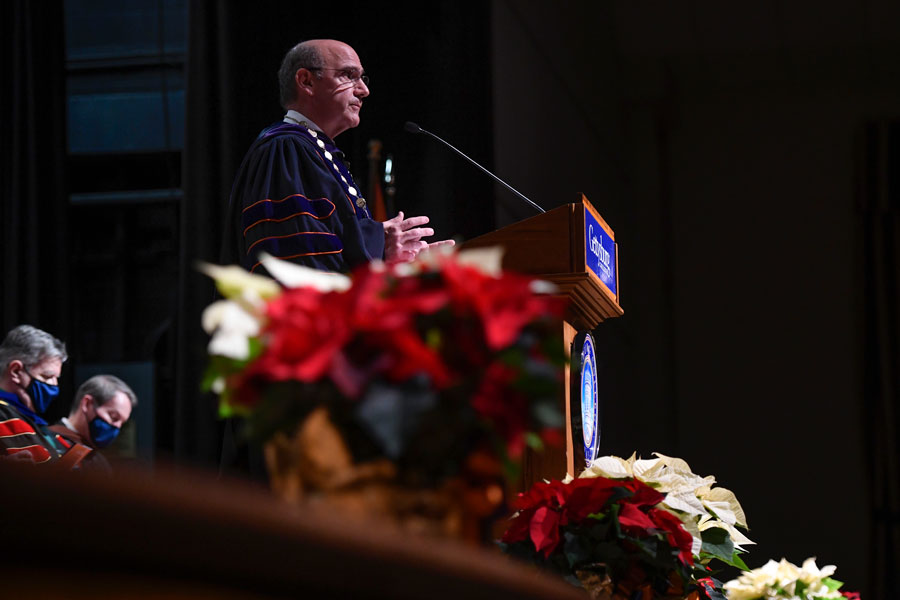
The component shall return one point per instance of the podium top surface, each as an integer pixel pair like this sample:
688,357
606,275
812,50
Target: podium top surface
571,246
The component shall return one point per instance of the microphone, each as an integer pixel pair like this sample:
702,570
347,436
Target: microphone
413,128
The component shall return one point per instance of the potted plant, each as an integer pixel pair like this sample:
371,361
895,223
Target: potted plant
406,392
631,529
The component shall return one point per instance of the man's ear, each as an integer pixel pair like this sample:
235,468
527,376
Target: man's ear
303,79
86,403
15,368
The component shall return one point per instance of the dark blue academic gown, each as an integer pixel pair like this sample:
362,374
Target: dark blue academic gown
294,198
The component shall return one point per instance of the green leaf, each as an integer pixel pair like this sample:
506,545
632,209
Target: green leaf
533,441
648,545
715,536
433,338
618,494
576,549
228,410
832,584
737,561
255,349
209,376
717,544
512,357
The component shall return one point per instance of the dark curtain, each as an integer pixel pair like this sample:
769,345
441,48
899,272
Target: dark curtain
34,205
880,209
433,69
209,161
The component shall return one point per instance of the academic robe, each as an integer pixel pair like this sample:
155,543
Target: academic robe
24,431
295,199
94,462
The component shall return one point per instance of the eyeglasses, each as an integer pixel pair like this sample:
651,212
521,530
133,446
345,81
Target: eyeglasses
345,75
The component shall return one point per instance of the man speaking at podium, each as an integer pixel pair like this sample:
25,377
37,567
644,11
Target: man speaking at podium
294,196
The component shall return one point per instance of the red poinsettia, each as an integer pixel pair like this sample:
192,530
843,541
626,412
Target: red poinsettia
585,498
547,507
303,333
496,401
616,528
708,585
448,339
374,329
675,533
505,305
309,333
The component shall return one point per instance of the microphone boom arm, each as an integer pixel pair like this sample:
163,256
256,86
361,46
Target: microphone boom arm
413,128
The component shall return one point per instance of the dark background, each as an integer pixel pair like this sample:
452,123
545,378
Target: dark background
745,154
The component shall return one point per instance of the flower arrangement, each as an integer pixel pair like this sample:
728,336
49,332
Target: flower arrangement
776,580
625,526
710,514
430,369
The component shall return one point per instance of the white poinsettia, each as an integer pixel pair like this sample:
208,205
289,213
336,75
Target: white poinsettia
611,467
292,275
759,580
659,467
784,580
231,325
541,286
232,322
723,502
810,573
692,527
488,260
738,539
233,282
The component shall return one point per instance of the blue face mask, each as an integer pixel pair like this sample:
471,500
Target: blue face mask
41,394
102,432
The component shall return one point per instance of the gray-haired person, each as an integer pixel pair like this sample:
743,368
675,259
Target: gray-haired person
101,407
30,365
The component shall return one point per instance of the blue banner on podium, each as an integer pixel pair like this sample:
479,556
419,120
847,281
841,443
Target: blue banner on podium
600,251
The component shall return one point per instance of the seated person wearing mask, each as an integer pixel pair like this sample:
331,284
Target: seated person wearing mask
30,364
102,406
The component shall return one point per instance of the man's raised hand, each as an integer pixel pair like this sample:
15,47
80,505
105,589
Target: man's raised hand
403,238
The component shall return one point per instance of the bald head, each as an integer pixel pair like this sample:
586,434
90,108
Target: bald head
305,54
323,79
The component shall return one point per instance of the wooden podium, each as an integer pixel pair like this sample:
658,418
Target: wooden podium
573,247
